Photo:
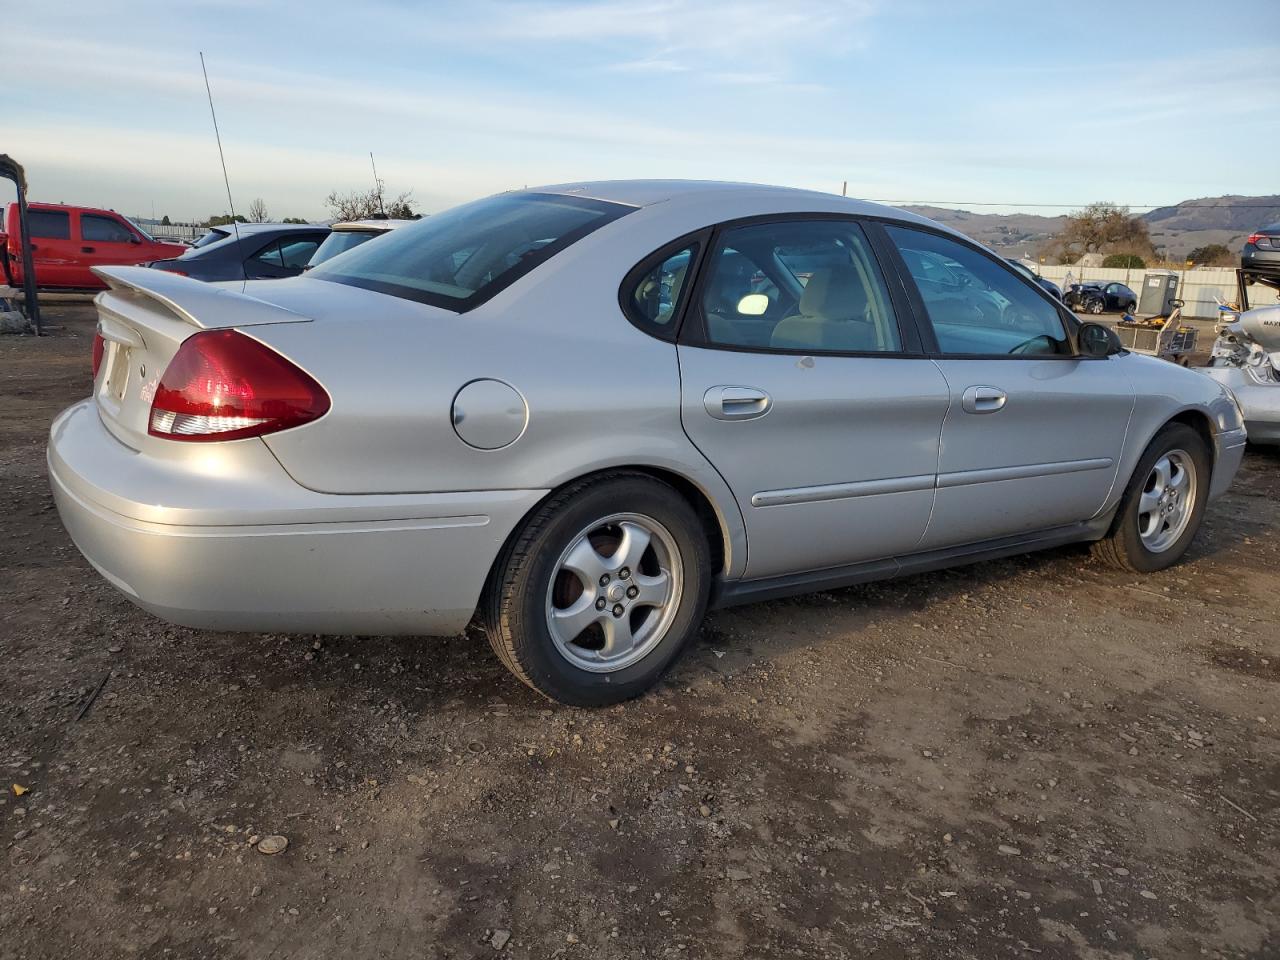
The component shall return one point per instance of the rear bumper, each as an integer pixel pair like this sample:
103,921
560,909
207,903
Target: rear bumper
403,564
1265,261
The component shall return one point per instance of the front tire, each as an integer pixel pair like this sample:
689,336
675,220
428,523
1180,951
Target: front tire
1162,506
1095,307
600,590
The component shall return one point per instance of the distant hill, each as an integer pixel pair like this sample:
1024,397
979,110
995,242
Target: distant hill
1195,223
1009,234
1178,229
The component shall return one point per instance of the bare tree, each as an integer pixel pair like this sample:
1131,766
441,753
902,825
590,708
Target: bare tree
258,211
362,204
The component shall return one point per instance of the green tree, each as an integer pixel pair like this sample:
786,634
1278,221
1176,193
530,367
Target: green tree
1212,255
1124,261
223,220
294,220
1101,228
164,221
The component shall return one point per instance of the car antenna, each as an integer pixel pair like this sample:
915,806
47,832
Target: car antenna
377,185
235,226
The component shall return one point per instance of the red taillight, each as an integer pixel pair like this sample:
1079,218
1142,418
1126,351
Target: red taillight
99,345
1254,238
223,385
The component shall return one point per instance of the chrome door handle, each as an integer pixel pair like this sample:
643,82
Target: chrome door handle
736,403
983,399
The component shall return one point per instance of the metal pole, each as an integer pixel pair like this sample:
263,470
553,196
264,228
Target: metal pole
28,268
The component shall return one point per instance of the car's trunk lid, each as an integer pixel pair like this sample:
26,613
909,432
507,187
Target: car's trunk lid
143,317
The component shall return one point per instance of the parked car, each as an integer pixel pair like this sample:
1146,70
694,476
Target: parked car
1261,253
67,242
249,251
1034,277
350,234
1100,297
586,412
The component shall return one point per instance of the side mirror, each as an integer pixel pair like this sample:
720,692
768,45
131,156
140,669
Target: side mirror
1095,340
135,239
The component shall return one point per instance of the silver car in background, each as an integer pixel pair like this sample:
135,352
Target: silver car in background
583,413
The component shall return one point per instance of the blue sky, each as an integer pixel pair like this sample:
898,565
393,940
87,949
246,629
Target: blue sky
1034,102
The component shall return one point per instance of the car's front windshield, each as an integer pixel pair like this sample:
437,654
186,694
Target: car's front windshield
134,223
460,258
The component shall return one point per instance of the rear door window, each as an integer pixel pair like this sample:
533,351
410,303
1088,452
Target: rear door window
462,257
271,254
49,224
797,286
295,254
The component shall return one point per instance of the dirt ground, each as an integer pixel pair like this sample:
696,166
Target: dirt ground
1028,758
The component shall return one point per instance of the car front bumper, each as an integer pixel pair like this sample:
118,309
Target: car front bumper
1259,401
253,550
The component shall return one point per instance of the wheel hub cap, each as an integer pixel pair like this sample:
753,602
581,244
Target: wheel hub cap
614,592
1167,501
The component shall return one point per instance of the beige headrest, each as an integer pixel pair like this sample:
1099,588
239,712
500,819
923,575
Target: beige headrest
834,293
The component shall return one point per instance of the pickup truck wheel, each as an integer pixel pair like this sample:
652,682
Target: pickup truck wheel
598,593
1162,506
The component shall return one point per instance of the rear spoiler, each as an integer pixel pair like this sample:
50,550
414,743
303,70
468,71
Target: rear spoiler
200,304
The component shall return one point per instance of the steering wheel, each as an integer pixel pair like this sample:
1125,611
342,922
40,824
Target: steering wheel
1036,345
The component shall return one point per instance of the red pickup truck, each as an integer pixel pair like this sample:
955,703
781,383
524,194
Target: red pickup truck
67,241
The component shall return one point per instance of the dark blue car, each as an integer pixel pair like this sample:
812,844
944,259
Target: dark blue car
249,251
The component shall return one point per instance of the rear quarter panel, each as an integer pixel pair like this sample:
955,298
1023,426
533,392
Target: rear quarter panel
600,393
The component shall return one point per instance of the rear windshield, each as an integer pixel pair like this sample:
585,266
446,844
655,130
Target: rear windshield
213,236
462,257
340,241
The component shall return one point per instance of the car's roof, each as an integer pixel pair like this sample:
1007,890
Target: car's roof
43,205
372,225
644,193
249,228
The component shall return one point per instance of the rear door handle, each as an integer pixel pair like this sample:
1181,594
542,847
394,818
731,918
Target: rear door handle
736,403
983,399
87,249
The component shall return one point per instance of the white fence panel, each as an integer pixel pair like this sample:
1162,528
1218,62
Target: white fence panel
1196,288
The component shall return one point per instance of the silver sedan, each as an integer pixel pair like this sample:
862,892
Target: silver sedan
584,413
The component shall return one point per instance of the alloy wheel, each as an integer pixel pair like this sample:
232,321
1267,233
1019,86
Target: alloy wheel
1167,501
614,592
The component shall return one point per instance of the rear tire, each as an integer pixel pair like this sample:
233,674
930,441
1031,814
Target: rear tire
1162,506
600,590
